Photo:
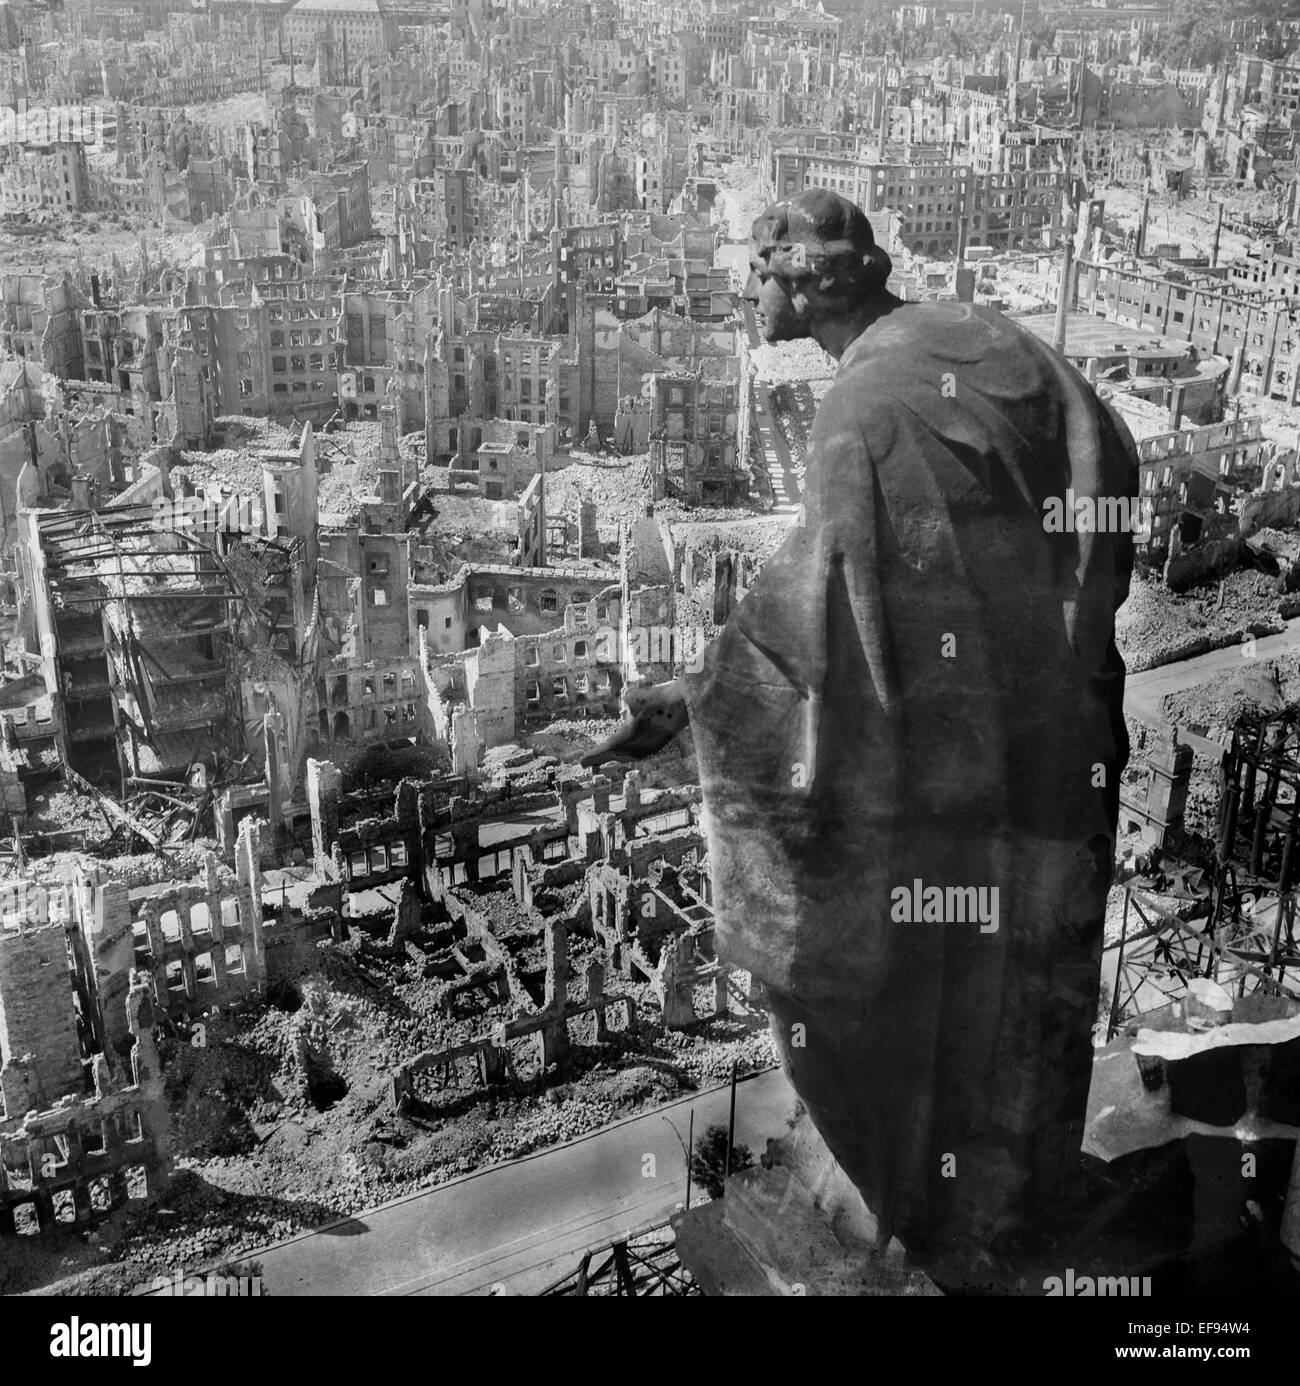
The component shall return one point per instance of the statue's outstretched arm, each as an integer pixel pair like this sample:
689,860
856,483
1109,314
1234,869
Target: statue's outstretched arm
656,715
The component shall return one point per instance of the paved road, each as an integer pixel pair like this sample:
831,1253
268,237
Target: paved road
786,493
737,222
525,1224
1143,692
735,258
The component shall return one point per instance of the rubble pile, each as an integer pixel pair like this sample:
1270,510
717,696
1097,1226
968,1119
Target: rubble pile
1260,686
761,538
791,361
259,1161
342,487
620,488
1156,626
236,461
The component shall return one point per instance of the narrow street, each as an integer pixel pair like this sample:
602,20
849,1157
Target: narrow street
523,1225
1144,692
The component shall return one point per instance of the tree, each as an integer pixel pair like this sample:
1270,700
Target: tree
1195,36
709,1163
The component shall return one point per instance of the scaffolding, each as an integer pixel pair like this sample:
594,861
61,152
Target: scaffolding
1237,925
639,1263
138,627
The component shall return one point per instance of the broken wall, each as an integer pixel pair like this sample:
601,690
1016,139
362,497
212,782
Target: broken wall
204,940
40,1055
63,1167
375,851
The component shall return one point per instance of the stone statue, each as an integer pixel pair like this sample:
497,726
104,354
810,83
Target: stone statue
910,741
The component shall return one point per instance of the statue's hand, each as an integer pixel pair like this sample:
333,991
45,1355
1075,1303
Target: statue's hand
657,715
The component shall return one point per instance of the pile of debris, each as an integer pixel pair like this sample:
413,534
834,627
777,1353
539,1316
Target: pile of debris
1156,626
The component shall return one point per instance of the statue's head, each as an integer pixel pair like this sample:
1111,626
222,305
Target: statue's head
811,257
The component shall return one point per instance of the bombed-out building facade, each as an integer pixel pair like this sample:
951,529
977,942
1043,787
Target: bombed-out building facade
209,640
379,406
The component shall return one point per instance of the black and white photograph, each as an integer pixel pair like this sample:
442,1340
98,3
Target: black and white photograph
650,648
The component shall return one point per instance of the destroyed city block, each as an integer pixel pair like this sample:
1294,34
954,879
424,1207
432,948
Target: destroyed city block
381,409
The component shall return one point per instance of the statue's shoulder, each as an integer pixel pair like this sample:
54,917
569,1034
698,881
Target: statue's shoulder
909,337
921,348
885,367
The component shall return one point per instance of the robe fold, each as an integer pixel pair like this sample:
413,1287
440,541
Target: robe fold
922,690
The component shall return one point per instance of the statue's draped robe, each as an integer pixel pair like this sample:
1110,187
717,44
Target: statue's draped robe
923,685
